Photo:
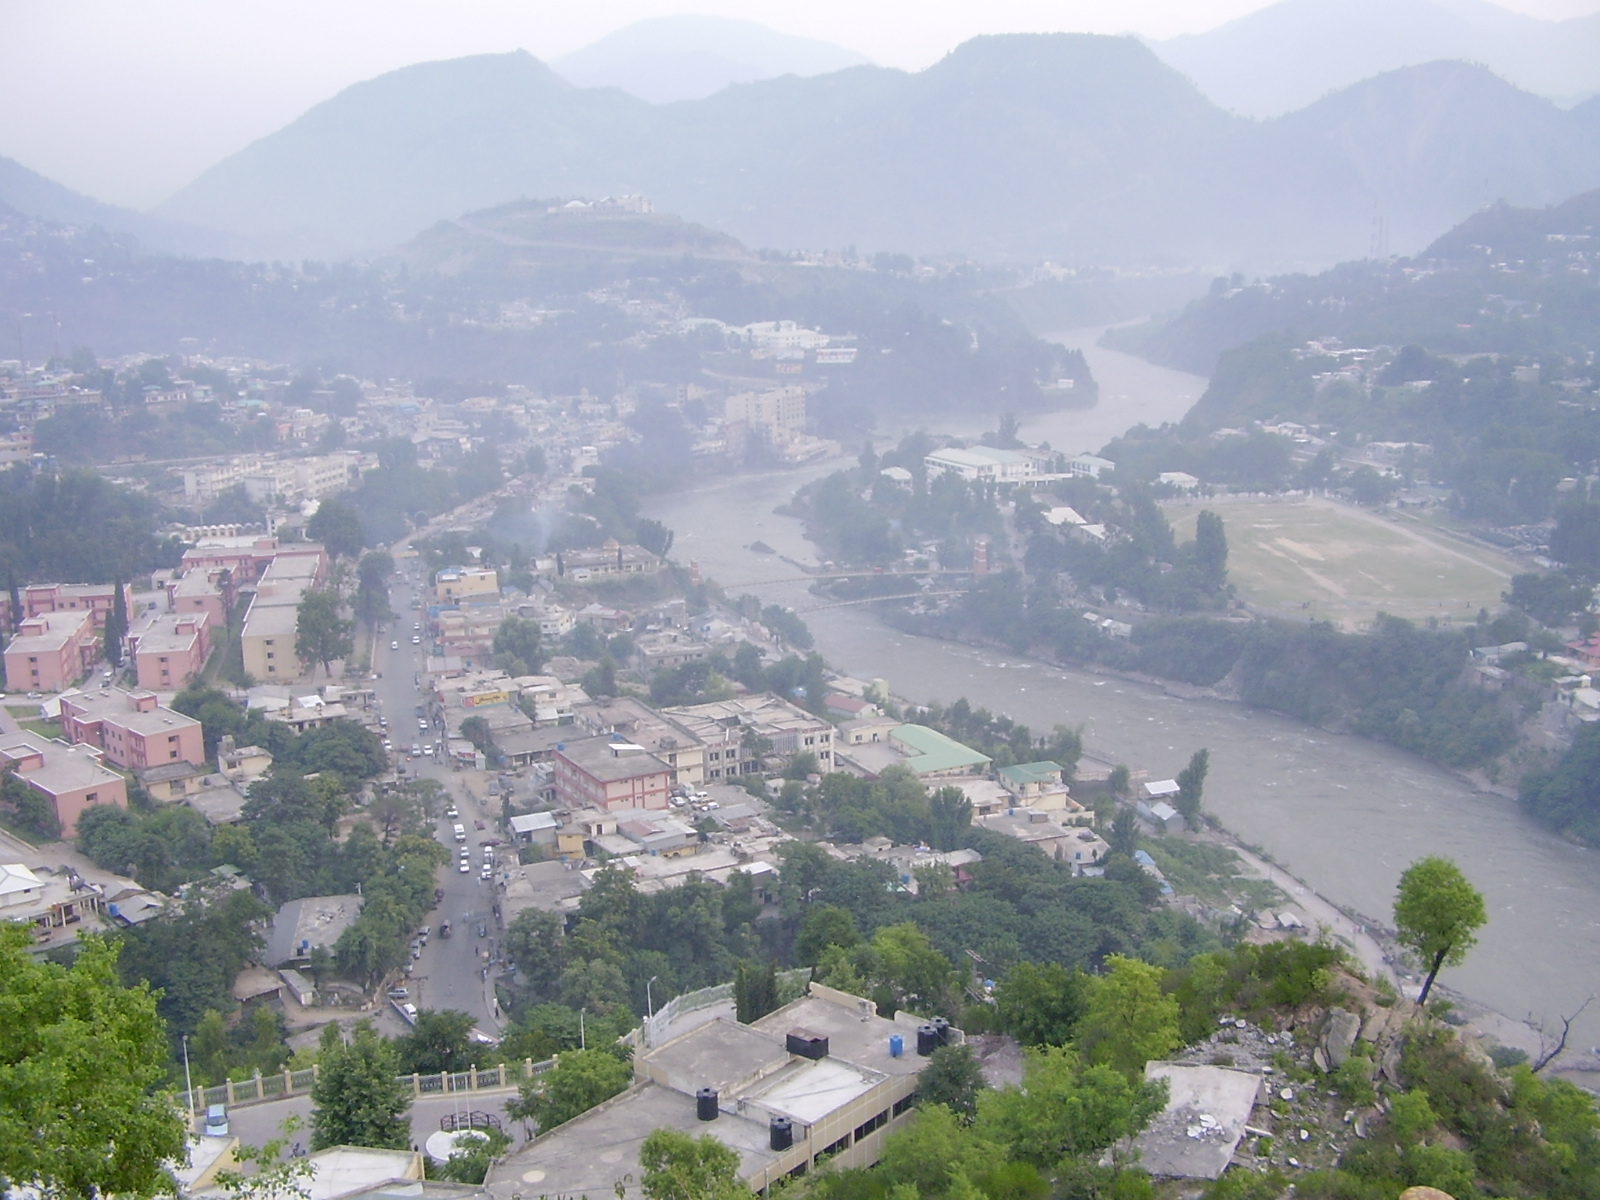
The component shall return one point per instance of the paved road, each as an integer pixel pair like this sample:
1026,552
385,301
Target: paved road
450,974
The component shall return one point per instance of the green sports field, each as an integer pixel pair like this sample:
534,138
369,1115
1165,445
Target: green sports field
1344,564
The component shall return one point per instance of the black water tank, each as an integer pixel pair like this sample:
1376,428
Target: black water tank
806,1044
705,1104
782,1133
942,1028
927,1040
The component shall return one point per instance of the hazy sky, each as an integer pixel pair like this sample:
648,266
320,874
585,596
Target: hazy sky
127,100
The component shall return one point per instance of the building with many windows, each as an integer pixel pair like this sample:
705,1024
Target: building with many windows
133,728
598,772
71,778
52,650
171,651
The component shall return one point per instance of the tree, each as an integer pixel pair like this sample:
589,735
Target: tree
338,527
1041,1005
116,625
535,942
949,816
755,991
1129,1020
476,730
679,1167
516,647
1437,913
372,587
321,634
579,1080
1211,551
358,1099
1067,1109
1124,832
81,1060
1191,785
952,1078
439,1041
825,925
654,537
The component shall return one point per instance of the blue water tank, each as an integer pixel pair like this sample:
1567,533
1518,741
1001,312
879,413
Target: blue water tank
897,1045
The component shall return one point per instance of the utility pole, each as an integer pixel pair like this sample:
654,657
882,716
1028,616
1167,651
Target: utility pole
188,1083
649,1004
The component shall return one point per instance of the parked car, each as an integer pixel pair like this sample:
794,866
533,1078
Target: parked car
466,867
399,993
395,645
217,1120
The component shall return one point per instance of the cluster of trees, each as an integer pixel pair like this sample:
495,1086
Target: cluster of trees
1002,739
1142,560
401,492
1399,682
896,805
862,516
77,526
801,680
1566,795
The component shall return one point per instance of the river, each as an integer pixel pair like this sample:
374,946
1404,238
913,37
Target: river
1345,814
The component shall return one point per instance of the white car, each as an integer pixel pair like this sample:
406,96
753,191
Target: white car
465,868
394,645
416,639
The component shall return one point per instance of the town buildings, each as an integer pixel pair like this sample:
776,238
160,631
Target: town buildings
52,651
600,773
71,778
740,734
133,728
97,599
267,637
171,651
981,464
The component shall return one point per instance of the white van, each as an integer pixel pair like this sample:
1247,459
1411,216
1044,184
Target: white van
461,833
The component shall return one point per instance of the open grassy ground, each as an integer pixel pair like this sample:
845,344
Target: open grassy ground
1344,564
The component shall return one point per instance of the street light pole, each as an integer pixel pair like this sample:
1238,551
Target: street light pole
649,1004
188,1083
583,1038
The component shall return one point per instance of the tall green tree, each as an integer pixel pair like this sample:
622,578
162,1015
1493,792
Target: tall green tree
322,635
1211,551
372,587
1041,1005
1129,1020
441,1040
516,647
755,991
358,1099
949,817
338,527
1437,915
1191,787
116,625
82,1062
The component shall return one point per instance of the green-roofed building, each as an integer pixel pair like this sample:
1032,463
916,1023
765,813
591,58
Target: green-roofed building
930,754
1037,785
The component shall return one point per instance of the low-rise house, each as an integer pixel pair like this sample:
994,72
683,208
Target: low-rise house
551,886
301,926
535,829
665,651
1040,785
134,729
932,755
71,778
51,901
1034,828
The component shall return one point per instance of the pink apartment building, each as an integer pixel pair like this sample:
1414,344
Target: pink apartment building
52,651
43,598
133,729
72,778
599,773
172,650
200,591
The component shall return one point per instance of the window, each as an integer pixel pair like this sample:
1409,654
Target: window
877,1122
903,1105
91,797
833,1148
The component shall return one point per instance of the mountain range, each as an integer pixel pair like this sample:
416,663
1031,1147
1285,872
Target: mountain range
663,59
1288,55
1075,147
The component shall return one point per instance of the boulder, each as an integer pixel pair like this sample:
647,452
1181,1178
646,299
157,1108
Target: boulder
1342,1030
